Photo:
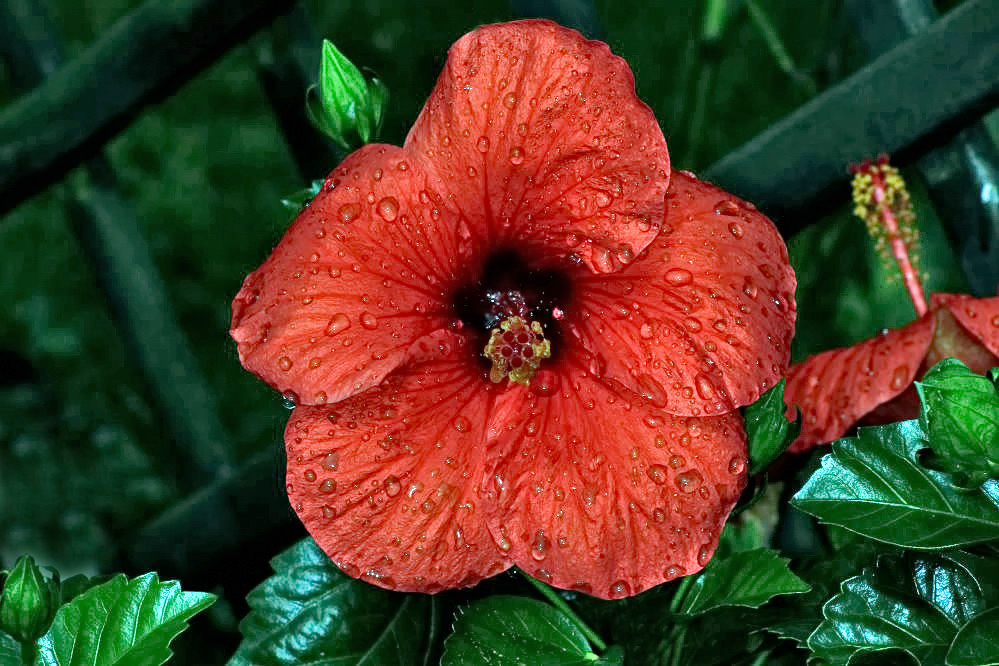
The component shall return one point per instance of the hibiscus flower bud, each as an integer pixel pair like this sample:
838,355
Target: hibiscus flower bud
28,601
350,107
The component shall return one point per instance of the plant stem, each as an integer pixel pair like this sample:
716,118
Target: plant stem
557,601
680,593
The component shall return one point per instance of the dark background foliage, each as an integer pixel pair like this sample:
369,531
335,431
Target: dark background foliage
86,459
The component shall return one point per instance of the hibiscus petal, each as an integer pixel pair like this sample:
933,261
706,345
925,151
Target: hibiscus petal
541,139
358,277
595,490
702,321
385,481
980,316
835,389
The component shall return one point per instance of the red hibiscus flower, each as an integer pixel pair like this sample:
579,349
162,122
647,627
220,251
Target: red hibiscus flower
872,381
507,342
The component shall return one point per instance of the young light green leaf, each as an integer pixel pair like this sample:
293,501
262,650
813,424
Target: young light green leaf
871,484
503,630
769,432
977,643
121,623
745,578
310,612
960,413
875,612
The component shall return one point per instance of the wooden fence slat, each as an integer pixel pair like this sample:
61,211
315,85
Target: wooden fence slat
937,81
144,57
111,236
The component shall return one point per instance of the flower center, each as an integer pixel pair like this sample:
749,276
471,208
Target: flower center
512,313
516,349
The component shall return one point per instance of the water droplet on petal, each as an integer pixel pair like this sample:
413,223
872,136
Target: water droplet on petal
338,322
328,511
331,461
688,481
619,589
483,144
735,229
736,465
460,423
677,277
369,321
388,208
995,321
327,486
898,378
726,207
349,212
510,100
704,554
674,571
391,486
310,475
704,387
539,549
516,155
285,363
602,199
658,474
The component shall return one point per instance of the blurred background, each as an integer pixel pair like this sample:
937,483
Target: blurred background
130,437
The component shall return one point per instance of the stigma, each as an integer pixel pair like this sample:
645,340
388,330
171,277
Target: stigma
516,348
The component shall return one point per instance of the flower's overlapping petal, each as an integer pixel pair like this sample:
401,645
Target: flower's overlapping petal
702,321
541,140
358,277
980,316
836,388
595,490
385,481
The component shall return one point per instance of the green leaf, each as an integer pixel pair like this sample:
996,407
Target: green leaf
960,412
746,578
10,649
121,622
76,585
977,643
768,430
502,630
296,201
879,610
310,612
871,484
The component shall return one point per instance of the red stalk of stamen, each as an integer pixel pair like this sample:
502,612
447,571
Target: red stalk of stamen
881,199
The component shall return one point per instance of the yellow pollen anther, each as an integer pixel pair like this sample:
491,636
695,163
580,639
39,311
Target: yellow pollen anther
516,349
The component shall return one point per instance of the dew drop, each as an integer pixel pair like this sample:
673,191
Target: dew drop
645,331
726,207
602,199
483,144
539,549
392,486
428,506
688,481
677,277
310,475
735,229
703,555
388,208
676,461
284,363
674,571
995,321
460,423
658,474
338,322
619,590
331,461
898,378
349,212
328,511
736,465
516,155
327,486
369,321
704,387
509,100
658,515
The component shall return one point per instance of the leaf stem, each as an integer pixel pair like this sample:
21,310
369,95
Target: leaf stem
680,593
548,593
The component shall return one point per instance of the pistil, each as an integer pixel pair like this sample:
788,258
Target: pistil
516,348
881,199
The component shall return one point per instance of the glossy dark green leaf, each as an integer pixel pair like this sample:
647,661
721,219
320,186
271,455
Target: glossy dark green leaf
121,623
310,612
768,430
10,649
953,582
871,484
746,578
76,585
960,413
878,610
977,643
502,630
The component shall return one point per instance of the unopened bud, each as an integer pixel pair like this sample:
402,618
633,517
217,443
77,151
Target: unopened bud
28,601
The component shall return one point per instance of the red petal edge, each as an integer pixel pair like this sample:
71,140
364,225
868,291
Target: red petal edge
980,316
354,282
594,490
541,139
386,481
837,388
702,321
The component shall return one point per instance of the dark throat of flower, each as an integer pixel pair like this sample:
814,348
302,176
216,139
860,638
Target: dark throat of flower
882,201
514,314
